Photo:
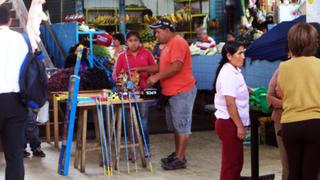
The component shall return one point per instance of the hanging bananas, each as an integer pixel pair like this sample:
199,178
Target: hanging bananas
105,20
146,19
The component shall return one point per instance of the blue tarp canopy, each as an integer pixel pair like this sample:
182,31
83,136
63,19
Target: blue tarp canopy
66,35
272,45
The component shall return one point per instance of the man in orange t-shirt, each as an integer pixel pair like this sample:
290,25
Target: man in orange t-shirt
178,84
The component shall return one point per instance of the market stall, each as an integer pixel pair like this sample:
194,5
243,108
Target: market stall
257,73
90,97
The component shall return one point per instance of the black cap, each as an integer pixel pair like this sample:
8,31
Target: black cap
163,23
4,15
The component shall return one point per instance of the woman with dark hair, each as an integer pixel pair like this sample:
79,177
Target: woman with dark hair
118,44
231,36
299,86
72,58
232,103
119,38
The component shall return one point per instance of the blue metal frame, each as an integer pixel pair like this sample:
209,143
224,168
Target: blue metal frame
65,152
212,10
122,12
101,125
91,34
91,57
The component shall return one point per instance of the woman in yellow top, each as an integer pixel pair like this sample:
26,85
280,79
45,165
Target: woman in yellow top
299,82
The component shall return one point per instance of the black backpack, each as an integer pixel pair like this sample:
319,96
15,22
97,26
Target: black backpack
33,80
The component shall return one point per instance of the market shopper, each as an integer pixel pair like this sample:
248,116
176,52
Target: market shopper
118,44
275,102
157,51
232,103
137,57
13,113
32,136
71,59
299,86
231,36
204,40
178,86
231,14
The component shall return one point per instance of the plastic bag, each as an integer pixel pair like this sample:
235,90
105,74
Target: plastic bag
258,100
43,114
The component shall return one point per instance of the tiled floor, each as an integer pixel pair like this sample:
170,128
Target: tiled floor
203,162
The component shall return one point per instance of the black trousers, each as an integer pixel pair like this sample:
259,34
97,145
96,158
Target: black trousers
12,130
302,143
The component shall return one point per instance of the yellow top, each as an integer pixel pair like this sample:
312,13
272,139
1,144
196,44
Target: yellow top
299,80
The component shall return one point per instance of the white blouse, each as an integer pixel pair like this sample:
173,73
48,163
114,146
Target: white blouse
230,82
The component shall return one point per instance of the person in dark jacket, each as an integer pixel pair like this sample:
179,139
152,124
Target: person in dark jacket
72,58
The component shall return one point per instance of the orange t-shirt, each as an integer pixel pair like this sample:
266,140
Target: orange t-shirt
177,49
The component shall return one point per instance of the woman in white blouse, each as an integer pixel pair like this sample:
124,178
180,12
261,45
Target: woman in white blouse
232,104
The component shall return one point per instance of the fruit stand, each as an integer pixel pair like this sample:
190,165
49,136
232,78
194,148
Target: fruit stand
186,15
109,18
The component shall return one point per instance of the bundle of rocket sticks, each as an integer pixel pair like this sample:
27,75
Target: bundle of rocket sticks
109,136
